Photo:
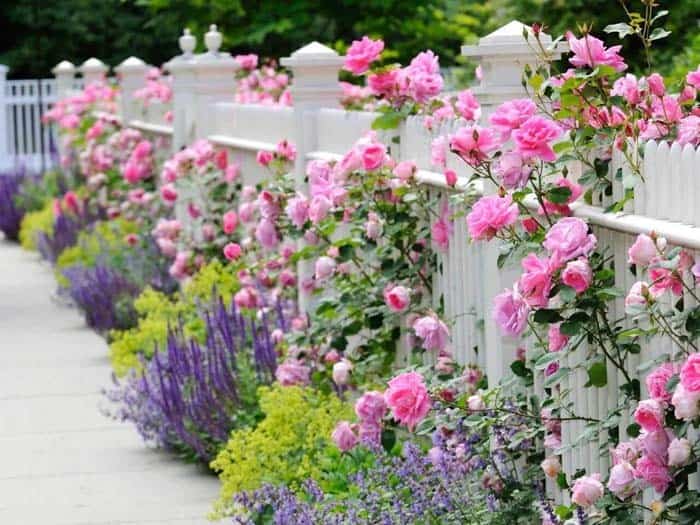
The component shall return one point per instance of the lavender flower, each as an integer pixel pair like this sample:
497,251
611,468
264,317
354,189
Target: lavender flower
190,395
11,210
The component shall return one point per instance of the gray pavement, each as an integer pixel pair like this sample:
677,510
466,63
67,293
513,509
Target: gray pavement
61,461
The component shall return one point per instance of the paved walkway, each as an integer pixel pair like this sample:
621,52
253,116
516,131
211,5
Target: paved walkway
61,461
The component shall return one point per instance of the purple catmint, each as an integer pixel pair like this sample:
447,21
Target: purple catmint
11,209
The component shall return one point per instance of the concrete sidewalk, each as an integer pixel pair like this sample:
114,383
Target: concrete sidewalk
61,461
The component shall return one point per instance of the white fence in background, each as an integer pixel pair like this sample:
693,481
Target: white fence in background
467,278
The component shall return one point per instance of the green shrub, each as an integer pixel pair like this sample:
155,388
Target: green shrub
286,447
35,222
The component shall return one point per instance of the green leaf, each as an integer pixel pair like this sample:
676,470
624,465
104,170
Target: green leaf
546,316
544,360
559,195
562,483
570,328
633,430
519,369
389,120
597,375
658,34
566,294
630,333
621,29
564,512
557,376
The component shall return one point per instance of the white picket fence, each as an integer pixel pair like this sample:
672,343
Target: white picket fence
467,278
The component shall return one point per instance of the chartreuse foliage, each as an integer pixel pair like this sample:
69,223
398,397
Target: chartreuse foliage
286,447
35,222
157,311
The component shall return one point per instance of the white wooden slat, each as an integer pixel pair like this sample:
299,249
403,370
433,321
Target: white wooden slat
663,192
674,199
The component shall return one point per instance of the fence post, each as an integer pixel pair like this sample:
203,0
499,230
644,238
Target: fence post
502,56
4,121
180,67
65,76
132,73
315,70
93,70
213,81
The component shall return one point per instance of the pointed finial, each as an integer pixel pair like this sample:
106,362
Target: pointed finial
213,39
187,42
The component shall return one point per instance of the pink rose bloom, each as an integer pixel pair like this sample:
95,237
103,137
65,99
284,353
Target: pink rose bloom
642,251
442,228
438,152
689,130
587,490
627,88
341,372
286,150
372,155
297,210
690,373
655,444
246,211
344,436
622,481
247,61
168,193
627,451
232,172
266,234
693,78
491,214
510,312
232,251
474,143
679,451
373,226
450,178
230,222
536,281
578,275
637,296
512,171
511,115
292,372
590,51
324,267
383,84
408,399
432,331
656,382
569,239
685,403
534,137
247,297
319,208
557,340
361,54
72,202
664,279
468,106
405,170
371,407
397,298
264,157
551,466
655,474
650,415
167,247
656,84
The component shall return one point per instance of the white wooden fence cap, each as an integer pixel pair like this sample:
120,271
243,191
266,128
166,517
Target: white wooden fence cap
313,54
131,64
63,67
93,65
507,40
187,42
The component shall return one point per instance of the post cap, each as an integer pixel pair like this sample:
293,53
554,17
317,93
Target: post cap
213,39
187,42
131,64
508,39
63,67
313,54
93,65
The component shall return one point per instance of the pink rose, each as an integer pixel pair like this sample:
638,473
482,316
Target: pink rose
468,106
578,275
686,404
442,228
534,137
627,87
511,115
266,234
642,251
627,451
397,298
690,373
693,78
491,214
679,451
372,155
286,150
408,399
292,372
168,193
405,170
371,407
450,178
344,436
341,372
622,481
656,382
473,144
264,157
655,444
324,267
536,282
230,222
569,239
373,226
656,84
319,208
246,211
247,297
475,403
510,312
557,340
589,51
587,490
247,61
432,331
655,474
551,466
232,251
383,84
512,171
438,152
689,130
297,210
637,296
650,415
361,54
